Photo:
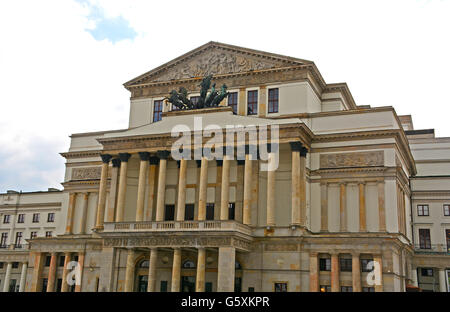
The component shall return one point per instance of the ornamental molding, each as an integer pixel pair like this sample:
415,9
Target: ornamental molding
87,173
83,154
355,159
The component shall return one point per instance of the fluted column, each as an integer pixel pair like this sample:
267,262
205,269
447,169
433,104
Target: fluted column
247,209
181,201
23,276
120,211
356,273
381,207
102,191
202,189
335,272
343,207
81,256
7,277
225,193
324,206
271,173
362,207
152,175
161,196
70,212
176,269
37,270
82,229
313,272
295,183
52,272
201,261
143,168
112,200
151,286
64,284
129,271
303,153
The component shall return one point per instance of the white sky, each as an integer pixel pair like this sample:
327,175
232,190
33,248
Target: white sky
56,79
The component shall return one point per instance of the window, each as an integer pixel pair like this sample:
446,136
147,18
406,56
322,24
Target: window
273,100
6,219
345,264
251,289
61,261
325,288
21,218
12,285
423,210
157,110
1,265
189,212
346,289
447,236
426,272
188,264
169,213
18,243
252,102
33,235
280,287
35,217
4,240
424,239
325,264
210,211
15,265
231,207
208,287
44,285
366,265
163,286
58,285
47,260
368,289
447,210
144,264
48,234
51,217
233,101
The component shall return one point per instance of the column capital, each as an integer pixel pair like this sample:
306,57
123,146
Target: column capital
124,157
303,151
105,158
116,162
163,154
145,156
153,160
296,146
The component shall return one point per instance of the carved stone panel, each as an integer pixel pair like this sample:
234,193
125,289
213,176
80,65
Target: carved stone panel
86,173
358,159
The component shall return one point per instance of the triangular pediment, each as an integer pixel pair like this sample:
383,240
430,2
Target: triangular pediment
216,59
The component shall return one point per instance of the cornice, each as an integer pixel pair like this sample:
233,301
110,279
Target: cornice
81,154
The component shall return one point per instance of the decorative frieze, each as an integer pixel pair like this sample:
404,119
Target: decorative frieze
280,247
358,159
86,173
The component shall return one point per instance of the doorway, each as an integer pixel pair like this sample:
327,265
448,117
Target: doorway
187,284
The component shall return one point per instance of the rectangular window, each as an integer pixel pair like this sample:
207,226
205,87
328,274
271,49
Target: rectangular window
280,287
424,239
345,264
423,210
15,265
48,259
21,218
426,272
325,288
4,240
169,214
58,285
210,211
325,264
447,210
35,217
447,237
233,101
366,265
18,243
1,265
208,287
231,209
51,217
346,289
273,100
33,235
48,234
189,212
44,285
6,219
163,286
251,289
368,289
157,110
12,285
252,102
61,260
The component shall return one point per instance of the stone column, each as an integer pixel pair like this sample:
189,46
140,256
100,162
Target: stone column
154,161
225,193
356,273
247,209
271,173
200,280
64,284
378,270
381,207
23,277
313,272
262,101
295,183
181,201
102,191
414,279
107,264
303,153
335,272
161,196
176,270
324,207
242,103
129,272
110,211
124,157
82,229
70,212
343,207
81,256
143,168
226,269
362,207
442,280
37,270
7,277
151,286
52,272
202,189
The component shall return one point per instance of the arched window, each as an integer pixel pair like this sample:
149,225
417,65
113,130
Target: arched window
144,264
188,264
237,266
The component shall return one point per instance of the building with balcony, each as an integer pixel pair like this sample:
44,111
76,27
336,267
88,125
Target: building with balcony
313,193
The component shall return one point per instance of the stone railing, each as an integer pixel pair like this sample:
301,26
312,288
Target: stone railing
176,226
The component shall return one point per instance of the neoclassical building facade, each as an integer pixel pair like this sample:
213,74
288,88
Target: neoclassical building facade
357,201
